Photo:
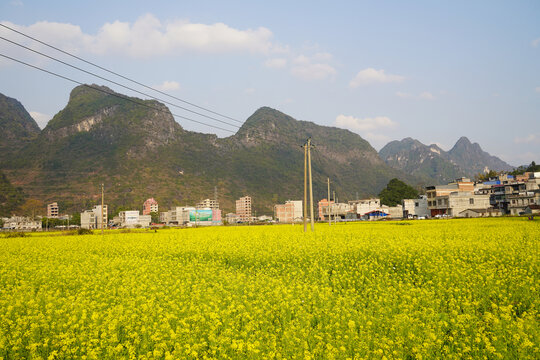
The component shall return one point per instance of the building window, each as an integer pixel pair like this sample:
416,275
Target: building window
416,204
471,201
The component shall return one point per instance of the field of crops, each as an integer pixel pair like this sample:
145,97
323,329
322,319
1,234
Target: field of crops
453,289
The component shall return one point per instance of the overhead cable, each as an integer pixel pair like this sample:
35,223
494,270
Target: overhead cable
113,93
116,83
117,74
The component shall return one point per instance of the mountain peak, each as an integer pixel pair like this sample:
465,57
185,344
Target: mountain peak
16,125
463,141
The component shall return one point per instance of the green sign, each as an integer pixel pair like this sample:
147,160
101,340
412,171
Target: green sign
200,215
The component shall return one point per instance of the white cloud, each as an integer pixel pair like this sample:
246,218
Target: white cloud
373,76
167,86
529,139
423,96
308,68
149,37
372,129
404,95
276,63
16,3
365,124
41,119
535,42
249,90
426,96
537,89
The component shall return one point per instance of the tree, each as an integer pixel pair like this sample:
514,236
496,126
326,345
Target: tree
32,207
486,176
75,219
395,192
155,217
524,168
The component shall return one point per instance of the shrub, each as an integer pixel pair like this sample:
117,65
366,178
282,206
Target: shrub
82,231
16,234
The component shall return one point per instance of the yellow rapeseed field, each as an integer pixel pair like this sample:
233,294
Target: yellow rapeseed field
440,289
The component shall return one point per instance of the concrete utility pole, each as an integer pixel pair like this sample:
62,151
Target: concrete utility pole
328,207
334,207
310,185
102,202
305,188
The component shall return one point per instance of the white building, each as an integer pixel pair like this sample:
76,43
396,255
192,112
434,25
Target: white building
364,206
88,219
21,223
92,219
415,208
132,218
177,215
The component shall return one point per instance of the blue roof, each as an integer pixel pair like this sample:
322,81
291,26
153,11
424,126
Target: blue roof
376,213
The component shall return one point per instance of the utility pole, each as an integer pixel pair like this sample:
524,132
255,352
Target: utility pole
310,185
102,202
305,188
334,207
328,207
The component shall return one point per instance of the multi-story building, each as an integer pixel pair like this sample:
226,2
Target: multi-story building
92,219
415,208
150,206
52,210
461,184
132,218
88,219
365,206
177,215
338,211
243,208
455,202
289,212
21,223
324,204
517,203
208,203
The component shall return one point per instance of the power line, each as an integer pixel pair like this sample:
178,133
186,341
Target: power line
116,83
112,93
119,75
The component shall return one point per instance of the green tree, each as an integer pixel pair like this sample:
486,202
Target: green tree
395,192
155,217
75,219
523,169
486,176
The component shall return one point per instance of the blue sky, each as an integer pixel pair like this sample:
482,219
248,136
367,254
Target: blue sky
386,70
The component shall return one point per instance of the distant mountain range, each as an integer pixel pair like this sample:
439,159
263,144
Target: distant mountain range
140,152
432,164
